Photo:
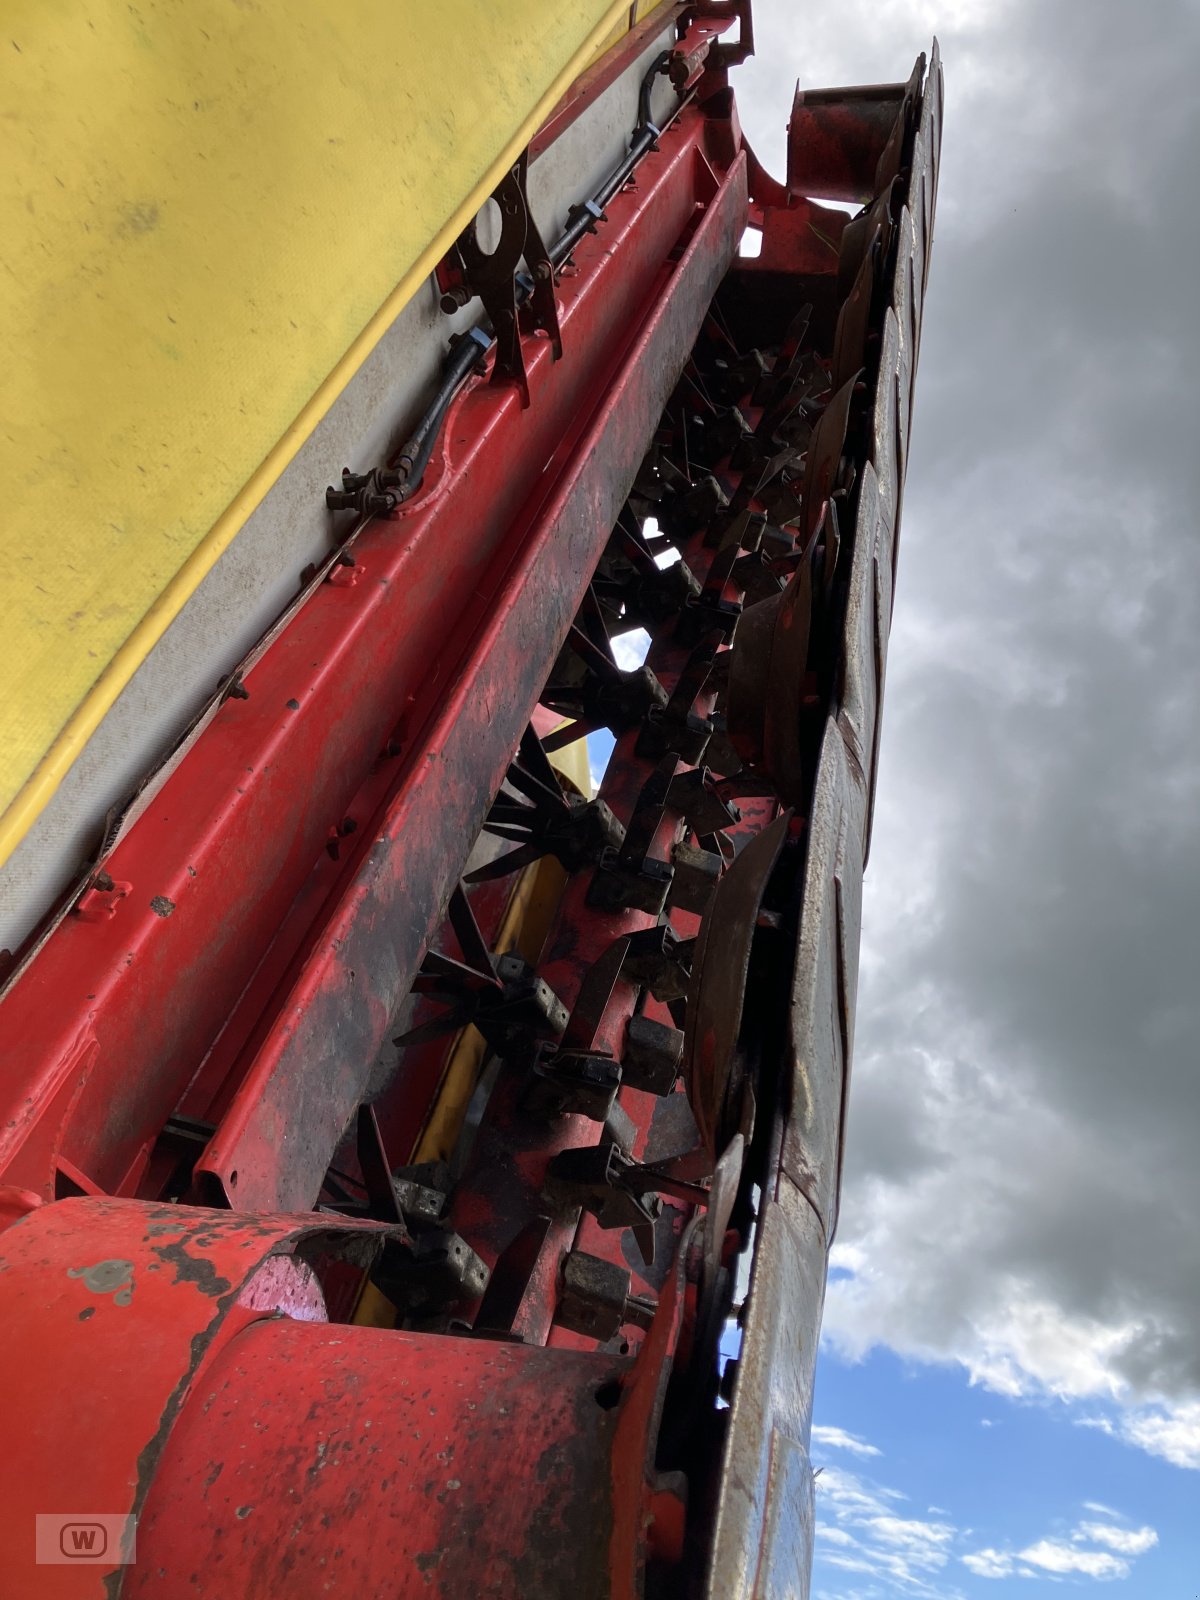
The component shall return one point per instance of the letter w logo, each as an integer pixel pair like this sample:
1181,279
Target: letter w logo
81,1541
78,1540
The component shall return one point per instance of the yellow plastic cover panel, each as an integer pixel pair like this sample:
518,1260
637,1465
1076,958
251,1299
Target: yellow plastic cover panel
209,212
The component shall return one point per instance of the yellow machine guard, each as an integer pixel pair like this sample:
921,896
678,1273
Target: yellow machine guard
212,210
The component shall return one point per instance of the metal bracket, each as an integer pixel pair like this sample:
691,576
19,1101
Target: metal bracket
653,1055
694,794
541,819
436,1270
501,995
675,727
709,613
697,872
602,696
596,1299
618,1191
596,1177
514,303
577,1082
696,506
632,878
659,960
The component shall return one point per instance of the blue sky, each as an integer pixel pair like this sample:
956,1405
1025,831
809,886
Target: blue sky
966,1483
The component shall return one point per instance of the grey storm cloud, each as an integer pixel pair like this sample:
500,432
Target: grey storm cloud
1022,1184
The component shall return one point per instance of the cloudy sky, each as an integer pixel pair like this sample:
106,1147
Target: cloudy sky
1010,1395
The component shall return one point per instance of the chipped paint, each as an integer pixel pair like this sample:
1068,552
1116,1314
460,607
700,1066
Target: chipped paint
108,1277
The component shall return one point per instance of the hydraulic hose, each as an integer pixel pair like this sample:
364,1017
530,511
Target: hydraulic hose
404,478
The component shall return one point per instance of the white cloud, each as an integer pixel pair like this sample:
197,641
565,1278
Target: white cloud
1126,1541
853,1563
630,649
1021,1345
989,1563
839,1439
852,1496
1069,1557
924,1542
837,1536
1053,1555
860,1530
1102,1510
1172,1433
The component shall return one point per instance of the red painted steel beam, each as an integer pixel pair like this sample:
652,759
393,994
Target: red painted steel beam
439,636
